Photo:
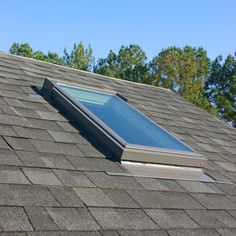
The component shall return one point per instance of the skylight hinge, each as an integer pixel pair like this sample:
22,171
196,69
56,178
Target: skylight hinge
122,97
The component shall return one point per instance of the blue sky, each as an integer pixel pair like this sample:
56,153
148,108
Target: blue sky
108,24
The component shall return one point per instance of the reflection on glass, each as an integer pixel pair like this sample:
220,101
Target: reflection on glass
124,120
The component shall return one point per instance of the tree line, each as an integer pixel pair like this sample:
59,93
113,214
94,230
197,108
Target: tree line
187,71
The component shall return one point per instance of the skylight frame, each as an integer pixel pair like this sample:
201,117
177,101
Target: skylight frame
120,147
114,134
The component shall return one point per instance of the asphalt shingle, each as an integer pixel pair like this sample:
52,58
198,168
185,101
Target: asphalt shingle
167,200
19,143
64,233
142,232
34,105
232,213
227,188
43,124
160,184
73,178
2,101
73,219
63,137
93,164
105,197
6,130
24,112
3,144
7,110
227,232
36,159
26,195
91,151
9,93
66,196
14,219
40,219
199,187
8,157
41,176
13,175
188,232
103,180
55,178
110,233
227,166
57,148
212,219
67,127
214,201
32,133
168,219
14,234
122,218
46,115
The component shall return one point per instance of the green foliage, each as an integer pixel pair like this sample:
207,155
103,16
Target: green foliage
108,66
183,70
129,64
221,87
54,58
38,55
23,49
80,57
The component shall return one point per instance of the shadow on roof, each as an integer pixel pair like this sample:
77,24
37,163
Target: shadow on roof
86,135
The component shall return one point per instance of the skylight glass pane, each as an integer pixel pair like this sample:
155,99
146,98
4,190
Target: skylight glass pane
124,120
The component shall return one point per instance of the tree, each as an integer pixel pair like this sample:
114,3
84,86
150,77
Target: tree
132,63
221,87
25,50
129,64
80,57
183,70
54,58
108,66
39,55
22,49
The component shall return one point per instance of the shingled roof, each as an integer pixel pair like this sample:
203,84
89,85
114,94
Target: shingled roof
54,177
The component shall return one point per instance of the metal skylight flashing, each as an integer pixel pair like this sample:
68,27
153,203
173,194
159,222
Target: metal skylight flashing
160,171
118,145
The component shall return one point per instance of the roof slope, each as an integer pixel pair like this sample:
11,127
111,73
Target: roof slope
53,177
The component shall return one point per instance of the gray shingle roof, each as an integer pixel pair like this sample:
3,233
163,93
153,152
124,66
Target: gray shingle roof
53,177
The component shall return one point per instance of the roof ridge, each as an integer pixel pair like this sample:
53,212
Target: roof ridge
86,72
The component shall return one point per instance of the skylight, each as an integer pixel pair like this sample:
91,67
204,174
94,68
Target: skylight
128,133
132,126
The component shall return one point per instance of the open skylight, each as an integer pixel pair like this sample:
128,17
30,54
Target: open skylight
125,131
